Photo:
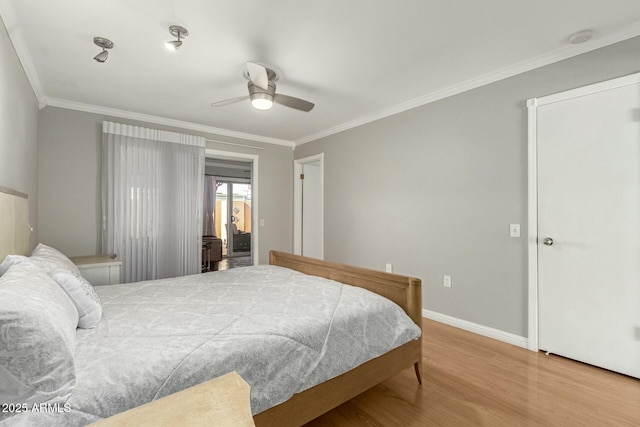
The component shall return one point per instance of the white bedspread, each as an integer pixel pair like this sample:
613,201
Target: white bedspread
281,330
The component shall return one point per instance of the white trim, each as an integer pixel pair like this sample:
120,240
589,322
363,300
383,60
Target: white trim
503,73
297,208
253,147
485,331
96,109
255,194
532,246
603,86
532,224
297,201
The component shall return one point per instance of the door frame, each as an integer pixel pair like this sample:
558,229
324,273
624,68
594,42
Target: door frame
532,221
253,159
297,201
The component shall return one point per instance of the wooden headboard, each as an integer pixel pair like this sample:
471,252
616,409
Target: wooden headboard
14,223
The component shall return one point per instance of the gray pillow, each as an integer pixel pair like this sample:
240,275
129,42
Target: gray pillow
37,338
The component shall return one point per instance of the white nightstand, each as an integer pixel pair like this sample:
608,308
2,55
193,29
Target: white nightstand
99,269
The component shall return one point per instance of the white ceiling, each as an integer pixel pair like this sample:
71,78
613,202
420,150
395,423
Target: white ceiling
357,60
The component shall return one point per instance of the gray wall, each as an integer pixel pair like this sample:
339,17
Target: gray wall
18,129
434,189
69,182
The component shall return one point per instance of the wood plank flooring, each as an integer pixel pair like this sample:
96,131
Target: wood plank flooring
470,380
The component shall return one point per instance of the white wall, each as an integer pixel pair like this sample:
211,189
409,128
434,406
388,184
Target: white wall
434,189
70,176
18,129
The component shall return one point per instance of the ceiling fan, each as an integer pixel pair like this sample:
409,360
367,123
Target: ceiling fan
262,91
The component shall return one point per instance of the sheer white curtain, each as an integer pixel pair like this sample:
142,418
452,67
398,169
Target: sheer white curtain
209,206
152,192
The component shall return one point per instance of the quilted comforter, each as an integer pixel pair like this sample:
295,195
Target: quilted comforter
281,330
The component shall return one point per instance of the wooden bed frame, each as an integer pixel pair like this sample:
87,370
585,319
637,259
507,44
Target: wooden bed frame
309,404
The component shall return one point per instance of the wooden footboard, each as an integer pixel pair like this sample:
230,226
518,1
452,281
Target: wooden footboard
404,291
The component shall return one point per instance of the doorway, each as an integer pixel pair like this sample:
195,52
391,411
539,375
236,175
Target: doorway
234,207
308,218
584,223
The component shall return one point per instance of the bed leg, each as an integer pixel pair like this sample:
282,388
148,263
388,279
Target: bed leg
418,367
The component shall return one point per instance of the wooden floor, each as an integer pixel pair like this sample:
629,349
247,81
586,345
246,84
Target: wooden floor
470,380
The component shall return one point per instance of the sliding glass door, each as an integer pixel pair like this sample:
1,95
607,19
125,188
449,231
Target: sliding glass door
233,223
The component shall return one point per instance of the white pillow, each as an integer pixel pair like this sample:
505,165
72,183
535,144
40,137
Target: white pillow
37,338
52,260
83,297
67,275
10,260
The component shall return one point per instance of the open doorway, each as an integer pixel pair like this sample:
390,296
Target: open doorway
230,206
308,201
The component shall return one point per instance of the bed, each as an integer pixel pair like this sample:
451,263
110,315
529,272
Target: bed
138,351
404,291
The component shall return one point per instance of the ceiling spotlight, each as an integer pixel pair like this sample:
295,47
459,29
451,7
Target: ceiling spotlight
179,32
104,44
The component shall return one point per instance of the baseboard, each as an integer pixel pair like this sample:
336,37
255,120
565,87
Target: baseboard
496,334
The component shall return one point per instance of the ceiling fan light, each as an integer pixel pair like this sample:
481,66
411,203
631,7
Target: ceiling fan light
261,100
173,45
262,104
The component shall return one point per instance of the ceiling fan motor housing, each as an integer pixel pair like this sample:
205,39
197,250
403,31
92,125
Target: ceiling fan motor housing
256,92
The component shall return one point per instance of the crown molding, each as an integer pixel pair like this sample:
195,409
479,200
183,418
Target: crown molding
557,55
96,109
8,16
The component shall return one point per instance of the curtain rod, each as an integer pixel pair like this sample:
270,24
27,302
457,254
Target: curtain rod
234,144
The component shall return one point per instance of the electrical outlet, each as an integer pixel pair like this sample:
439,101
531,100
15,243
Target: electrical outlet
388,268
446,282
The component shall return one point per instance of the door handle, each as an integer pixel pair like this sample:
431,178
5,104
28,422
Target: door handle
548,241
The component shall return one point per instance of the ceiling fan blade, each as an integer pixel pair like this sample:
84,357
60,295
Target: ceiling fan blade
290,101
258,75
229,101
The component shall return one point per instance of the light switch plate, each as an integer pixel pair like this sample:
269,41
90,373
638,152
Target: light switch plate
514,230
446,281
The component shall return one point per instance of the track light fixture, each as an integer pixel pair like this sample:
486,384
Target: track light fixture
179,32
104,44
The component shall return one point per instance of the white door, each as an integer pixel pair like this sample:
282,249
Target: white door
312,210
589,227
308,217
